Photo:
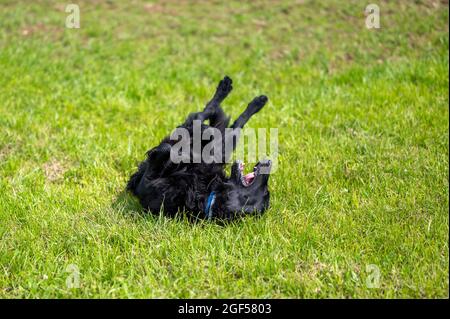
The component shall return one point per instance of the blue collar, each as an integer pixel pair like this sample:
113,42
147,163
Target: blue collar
209,204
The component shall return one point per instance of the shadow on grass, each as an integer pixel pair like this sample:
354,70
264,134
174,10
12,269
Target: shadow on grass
126,204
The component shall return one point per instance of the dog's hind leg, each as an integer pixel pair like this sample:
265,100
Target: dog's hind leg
212,110
157,156
223,89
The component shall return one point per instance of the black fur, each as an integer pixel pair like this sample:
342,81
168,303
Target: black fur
163,185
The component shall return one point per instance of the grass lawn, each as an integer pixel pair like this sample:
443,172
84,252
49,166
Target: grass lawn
359,205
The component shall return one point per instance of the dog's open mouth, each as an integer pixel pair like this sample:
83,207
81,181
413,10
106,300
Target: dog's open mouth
249,178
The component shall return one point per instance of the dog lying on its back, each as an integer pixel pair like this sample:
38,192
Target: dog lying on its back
203,188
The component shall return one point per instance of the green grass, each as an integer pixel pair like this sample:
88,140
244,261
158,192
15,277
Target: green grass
363,142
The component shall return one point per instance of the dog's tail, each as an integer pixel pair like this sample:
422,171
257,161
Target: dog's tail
135,179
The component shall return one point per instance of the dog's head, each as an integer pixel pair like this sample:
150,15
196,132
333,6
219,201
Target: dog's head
243,194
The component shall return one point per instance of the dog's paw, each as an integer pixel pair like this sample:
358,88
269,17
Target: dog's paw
225,87
257,104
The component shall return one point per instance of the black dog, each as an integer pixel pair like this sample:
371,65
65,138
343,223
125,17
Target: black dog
202,188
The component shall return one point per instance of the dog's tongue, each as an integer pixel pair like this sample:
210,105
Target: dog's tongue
249,177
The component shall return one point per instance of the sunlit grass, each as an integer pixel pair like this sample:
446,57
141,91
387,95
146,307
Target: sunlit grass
363,142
